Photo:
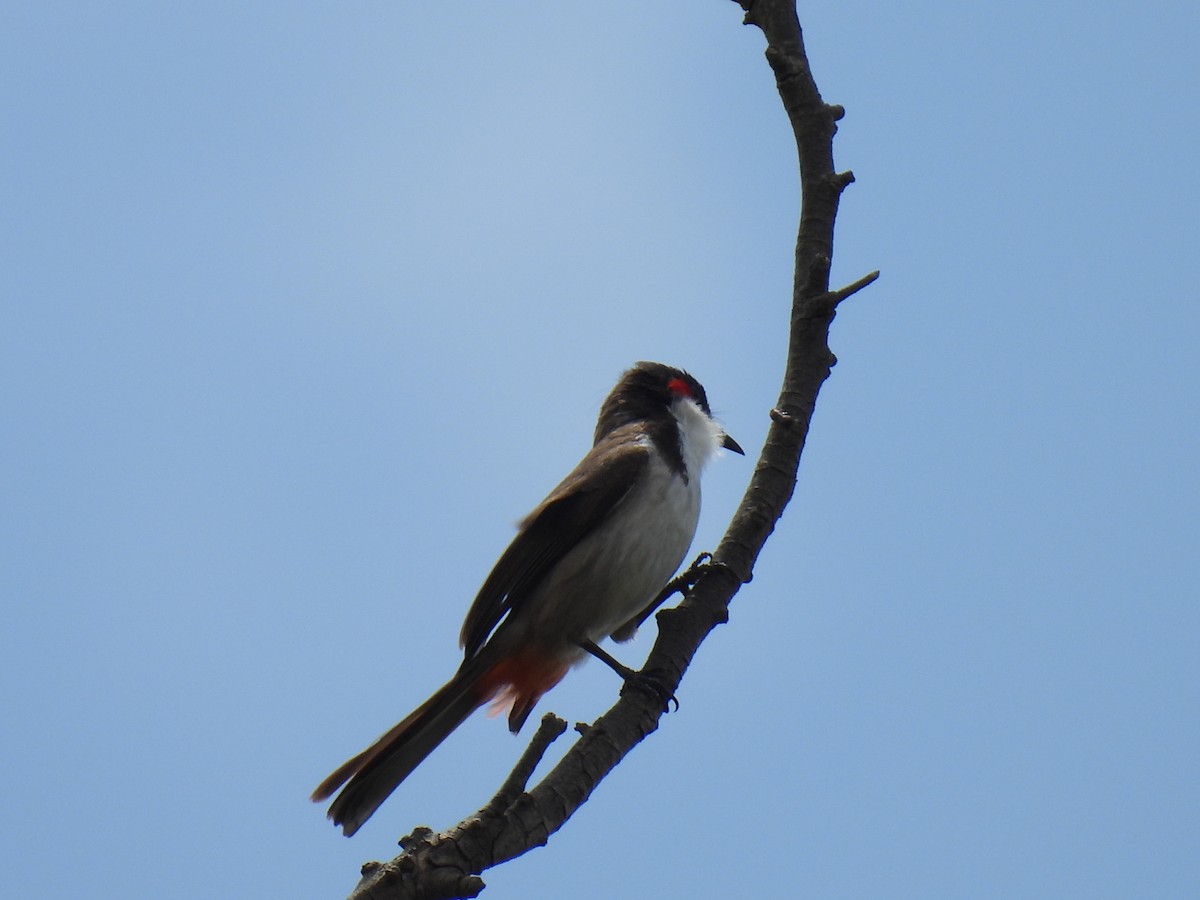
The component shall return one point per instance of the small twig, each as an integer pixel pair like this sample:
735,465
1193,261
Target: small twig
550,730
784,418
841,180
851,289
824,304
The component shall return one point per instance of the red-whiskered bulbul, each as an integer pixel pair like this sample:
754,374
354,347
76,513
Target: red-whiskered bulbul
586,564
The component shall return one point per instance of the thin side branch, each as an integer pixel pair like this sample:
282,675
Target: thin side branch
550,730
826,304
854,287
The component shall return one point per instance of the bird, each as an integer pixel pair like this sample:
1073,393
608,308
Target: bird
586,564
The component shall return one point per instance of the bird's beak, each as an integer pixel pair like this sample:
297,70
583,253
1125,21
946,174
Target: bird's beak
730,444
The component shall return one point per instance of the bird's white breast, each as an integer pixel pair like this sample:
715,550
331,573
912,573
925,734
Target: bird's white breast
616,571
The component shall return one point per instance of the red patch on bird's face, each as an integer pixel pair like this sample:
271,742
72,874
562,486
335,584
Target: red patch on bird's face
679,387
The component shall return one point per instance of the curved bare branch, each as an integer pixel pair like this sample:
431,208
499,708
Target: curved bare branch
447,865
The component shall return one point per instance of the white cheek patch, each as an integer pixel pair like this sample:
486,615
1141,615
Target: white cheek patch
699,436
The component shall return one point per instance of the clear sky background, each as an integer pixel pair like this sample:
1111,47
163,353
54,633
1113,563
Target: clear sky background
305,304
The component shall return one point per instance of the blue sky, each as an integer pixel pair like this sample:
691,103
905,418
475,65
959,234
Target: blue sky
304,305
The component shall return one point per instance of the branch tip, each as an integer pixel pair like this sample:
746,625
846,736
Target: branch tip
852,289
550,730
420,835
747,7
841,180
783,417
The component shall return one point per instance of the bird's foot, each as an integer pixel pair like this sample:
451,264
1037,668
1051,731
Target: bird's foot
647,681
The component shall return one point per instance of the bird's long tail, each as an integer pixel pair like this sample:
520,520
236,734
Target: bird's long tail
371,776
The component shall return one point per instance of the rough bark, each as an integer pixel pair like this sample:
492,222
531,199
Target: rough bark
519,818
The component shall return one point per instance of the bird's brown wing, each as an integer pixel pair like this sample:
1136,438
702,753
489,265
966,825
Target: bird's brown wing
572,511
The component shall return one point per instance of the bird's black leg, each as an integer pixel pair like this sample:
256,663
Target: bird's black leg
608,659
631,676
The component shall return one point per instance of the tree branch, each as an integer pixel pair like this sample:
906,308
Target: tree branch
444,866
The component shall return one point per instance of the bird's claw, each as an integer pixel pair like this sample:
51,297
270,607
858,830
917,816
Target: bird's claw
652,684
